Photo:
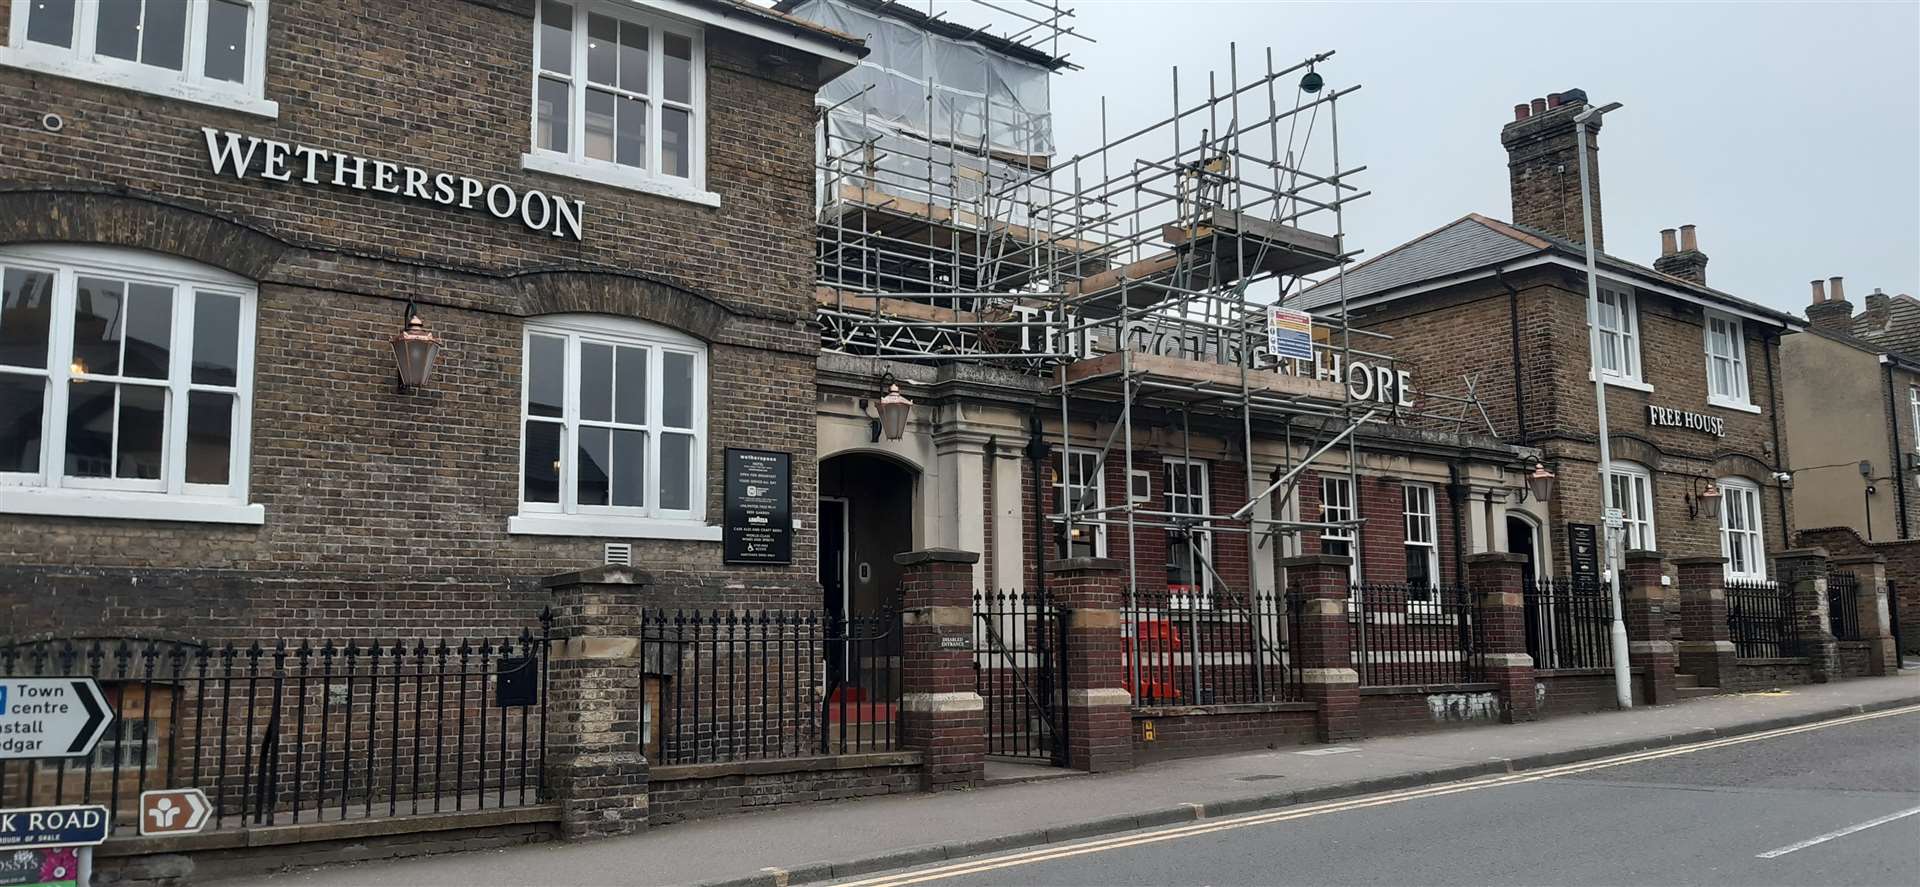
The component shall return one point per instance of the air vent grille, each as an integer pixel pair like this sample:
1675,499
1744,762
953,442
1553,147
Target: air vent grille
620,554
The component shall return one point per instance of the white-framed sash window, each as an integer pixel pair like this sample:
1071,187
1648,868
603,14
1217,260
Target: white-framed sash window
1336,506
1631,491
1081,492
1742,540
1618,323
1726,348
619,97
1422,542
1189,552
1913,410
126,384
613,430
207,51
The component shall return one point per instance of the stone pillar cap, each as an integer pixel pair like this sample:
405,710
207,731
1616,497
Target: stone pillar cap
1704,560
1794,554
610,574
1643,554
1316,560
1062,565
936,556
1496,557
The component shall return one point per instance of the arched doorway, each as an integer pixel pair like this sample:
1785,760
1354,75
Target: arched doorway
866,517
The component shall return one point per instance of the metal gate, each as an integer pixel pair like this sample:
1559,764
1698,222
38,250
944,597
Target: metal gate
1019,673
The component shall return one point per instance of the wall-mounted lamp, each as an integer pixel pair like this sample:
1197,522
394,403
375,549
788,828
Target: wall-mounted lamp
1539,483
894,408
414,350
1703,501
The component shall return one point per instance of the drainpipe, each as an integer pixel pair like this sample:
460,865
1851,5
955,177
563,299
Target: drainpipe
1773,414
1893,449
1519,385
1457,491
1037,451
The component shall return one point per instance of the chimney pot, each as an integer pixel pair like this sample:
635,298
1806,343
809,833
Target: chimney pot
1521,112
1688,242
1835,292
1666,242
1539,106
1553,100
1819,291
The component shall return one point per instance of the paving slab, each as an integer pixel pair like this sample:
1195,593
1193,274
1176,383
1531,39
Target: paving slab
822,841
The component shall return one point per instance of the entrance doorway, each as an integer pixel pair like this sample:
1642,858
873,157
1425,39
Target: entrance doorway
1523,538
866,517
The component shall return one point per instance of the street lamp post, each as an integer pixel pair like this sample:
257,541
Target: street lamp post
1622,669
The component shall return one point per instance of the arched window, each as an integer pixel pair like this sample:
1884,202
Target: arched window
1632,493
1742,541
126,381
613,430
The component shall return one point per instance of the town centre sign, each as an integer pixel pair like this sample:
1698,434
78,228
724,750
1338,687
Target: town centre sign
279,161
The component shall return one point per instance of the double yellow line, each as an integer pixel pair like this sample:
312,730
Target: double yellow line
921,876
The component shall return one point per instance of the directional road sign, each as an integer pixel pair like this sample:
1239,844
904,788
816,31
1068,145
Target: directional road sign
77,825
173,811
51,717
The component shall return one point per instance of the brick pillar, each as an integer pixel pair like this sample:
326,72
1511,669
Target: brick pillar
1706,647
1494,579
1875,626
1327,675
596,768
940,714
1805,570
1099,717
1643,606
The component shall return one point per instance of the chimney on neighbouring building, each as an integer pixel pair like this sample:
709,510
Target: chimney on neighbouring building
1686,262
1830,311
1878,305
1543,166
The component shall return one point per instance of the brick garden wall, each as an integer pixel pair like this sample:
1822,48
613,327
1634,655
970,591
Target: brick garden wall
1578,691
1389,710
387,512
673,799
1766,674
1205,730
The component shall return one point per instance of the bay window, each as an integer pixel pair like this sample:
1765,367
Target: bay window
1741,539
125,386
207,51
613,430
618,98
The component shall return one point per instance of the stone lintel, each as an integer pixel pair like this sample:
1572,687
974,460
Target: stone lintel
610,574
1507,660
1329,676
1325,606
1512,599
936,556
948,616
1084,617
941,703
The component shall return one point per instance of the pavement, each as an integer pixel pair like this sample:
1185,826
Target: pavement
841,840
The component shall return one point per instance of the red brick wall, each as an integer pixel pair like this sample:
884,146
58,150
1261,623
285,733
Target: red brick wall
1203,732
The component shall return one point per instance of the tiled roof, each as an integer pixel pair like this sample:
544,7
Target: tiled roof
1898,331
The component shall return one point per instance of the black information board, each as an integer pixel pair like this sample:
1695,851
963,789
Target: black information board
1583,551
758,527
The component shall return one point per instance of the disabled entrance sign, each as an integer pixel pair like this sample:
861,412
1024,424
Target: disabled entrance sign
51,717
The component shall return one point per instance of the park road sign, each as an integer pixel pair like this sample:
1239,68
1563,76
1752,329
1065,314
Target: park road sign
76,825
51,717
173,811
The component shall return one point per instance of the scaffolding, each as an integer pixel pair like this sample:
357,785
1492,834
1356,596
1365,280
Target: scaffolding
1135,277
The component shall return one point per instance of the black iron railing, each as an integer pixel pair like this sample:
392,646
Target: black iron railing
1761,619
1569,623
738,685
1200,648
1020,645
281,732
1843,606
1412,634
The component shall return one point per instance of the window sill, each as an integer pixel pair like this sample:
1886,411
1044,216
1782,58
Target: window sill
618,178
129,506
615,527
1735,405
62,64
1622,382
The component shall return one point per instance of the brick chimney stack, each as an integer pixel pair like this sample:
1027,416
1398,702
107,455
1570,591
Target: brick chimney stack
1830,311
1543,166
1686,261
1878,307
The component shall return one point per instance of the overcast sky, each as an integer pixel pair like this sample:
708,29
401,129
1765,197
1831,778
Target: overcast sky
1789,133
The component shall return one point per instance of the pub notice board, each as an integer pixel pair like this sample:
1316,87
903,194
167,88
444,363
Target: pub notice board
758,526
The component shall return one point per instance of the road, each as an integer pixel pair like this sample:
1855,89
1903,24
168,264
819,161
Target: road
1816,805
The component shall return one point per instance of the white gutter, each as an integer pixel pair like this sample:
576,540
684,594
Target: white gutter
754,26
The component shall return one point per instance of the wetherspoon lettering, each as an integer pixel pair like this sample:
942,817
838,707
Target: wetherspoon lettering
1705,424
283,162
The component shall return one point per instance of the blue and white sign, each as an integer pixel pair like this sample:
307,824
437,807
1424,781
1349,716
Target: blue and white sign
1289,333
51,717
77,825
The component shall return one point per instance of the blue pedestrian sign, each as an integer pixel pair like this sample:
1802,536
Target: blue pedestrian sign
75,825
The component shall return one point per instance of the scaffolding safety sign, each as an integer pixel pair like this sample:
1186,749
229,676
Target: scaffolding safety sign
1289,333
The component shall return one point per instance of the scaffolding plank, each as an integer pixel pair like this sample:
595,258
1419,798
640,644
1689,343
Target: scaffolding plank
1213,380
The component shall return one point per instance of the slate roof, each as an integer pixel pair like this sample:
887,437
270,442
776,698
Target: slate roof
1475,243
1898,331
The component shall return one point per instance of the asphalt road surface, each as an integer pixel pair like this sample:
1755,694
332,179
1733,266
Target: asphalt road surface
1837,803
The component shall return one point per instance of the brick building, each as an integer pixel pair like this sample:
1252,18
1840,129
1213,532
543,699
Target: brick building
1852,387
1692,372
212,227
